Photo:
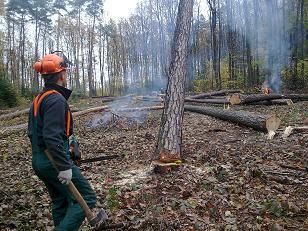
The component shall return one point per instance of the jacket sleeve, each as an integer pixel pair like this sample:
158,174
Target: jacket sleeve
54,130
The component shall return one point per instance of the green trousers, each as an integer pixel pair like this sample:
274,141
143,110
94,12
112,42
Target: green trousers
66,212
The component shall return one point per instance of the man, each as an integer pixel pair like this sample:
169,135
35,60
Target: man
50,126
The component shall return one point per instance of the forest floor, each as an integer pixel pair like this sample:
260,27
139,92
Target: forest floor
231,178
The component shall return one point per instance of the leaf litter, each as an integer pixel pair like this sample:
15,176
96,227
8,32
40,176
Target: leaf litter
231,177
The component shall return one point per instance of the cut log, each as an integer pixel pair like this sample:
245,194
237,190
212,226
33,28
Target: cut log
209,101
264,123
21,127
236,98
274,102
289,130
214,93
14,114
296,97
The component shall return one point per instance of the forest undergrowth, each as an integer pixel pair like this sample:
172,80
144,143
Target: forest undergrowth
232,177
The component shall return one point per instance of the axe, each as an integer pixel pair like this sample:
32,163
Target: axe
99,220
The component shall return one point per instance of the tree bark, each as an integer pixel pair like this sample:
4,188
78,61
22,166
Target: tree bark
264,123
169,142
209,101
237,99
214,93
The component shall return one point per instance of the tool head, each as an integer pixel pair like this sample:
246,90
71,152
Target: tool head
99,219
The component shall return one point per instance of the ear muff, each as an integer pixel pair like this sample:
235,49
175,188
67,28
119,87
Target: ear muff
49,66
38,66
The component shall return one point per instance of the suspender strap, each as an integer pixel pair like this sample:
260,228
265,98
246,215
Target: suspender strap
37,103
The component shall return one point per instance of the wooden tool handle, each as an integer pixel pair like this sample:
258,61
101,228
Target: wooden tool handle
80,200
74,191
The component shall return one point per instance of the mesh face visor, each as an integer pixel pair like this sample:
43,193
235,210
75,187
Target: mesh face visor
65,62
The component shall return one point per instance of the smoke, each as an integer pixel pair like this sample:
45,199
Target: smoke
264,24
119,114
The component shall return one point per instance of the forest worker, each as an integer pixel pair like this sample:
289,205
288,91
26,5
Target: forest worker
50,126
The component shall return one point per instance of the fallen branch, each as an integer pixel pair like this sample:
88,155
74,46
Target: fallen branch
14,114
214,93
289,130
266,123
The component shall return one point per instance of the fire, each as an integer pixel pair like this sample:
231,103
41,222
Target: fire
265,89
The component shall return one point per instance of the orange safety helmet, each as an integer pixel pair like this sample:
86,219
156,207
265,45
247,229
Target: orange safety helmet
52,63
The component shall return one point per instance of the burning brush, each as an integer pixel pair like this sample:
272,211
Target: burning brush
265,88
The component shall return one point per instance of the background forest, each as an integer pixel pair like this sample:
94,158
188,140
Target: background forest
233,44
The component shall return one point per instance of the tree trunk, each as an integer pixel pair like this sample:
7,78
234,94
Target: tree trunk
169,142
210,101
264,123
214,93
237,99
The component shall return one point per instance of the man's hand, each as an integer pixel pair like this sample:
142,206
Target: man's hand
65,176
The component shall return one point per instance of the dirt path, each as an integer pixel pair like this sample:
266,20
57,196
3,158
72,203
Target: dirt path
228,180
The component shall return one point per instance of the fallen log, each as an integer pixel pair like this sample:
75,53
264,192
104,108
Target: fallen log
296,97
265,123
14,114
237,99
214,93
115,110
274,102
289,130
150,98
209,101
21,127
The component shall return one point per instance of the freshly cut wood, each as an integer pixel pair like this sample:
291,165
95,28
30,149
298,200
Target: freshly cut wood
289,130
236,99
214,93
14,114
209,101
264,123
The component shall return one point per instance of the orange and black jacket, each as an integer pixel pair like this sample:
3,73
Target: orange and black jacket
54,124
